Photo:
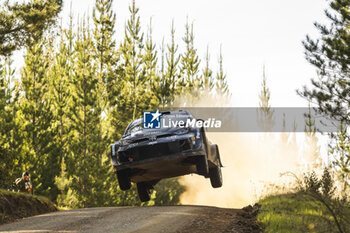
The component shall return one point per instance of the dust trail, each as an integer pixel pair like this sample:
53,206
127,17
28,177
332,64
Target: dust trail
253,163
250,163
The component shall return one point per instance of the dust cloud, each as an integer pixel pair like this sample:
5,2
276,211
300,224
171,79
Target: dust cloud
253,164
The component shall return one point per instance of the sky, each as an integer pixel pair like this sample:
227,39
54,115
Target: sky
252,34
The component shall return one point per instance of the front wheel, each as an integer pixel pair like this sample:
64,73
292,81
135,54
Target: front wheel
202,166
215,176
143,191
124,180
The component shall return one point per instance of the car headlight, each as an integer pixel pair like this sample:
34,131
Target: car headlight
181,131
124,142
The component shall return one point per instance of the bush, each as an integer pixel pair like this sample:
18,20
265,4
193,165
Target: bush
322,190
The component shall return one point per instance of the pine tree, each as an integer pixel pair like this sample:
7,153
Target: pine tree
106,61
329,54
3,115
284,135
161,85
265,115
133,101
312,150
208,82
39,157
87,143
222,89
106,56
331,90
61,90
190,67
150,65
24,23
109,85
6,157
340,157
172,74
10,132
109,71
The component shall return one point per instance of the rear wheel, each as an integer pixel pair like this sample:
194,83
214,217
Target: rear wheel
143,191
124,180
215,176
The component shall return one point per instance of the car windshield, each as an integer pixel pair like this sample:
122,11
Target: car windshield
175,118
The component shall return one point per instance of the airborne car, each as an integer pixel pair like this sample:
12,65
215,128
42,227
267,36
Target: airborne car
145,156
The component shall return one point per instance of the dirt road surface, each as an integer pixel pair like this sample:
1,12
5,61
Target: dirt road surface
140,219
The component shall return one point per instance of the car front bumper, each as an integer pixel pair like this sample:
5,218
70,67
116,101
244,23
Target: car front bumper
166,166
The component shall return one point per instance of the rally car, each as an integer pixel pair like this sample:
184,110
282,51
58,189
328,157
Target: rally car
145,156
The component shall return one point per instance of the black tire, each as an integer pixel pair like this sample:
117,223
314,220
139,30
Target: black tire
143,191
202,162
124,180
202,166
215,176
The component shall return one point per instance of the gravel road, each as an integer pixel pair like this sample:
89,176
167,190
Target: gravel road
136,219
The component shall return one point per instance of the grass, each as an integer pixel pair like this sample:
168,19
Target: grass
295,212
18,205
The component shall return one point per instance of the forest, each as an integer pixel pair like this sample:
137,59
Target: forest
77,92
79,88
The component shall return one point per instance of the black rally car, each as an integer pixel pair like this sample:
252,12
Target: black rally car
145,156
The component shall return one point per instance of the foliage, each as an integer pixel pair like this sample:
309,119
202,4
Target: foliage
134,72
172,75
85,119
314,206
77,93
208,82
190,81
168,192
10,140
221,83
312,150
294,212
322,190
340,157
105,53
329,55
39,152
265,115
24,23
331,91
